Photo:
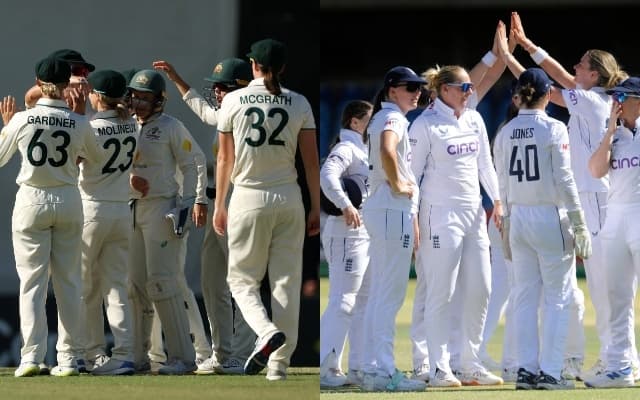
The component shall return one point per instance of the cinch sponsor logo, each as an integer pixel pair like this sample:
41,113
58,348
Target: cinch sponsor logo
462,148
619,163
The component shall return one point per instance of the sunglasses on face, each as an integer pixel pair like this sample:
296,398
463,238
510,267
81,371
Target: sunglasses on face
464,86
411,87
622,97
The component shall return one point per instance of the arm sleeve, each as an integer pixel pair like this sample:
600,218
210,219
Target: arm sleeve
200,107
332,170
307,115
201,168
420,147
503,181
182,146
486,170
561,164
8,141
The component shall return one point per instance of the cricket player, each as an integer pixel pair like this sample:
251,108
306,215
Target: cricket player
260,127
104,188
450,155
346,245
537,187
232,342
164,145
617,156
389,216
584,96
47,217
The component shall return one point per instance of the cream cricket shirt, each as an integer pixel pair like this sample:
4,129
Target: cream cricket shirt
265,133
624,167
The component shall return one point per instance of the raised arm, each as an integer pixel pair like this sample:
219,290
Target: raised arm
494,72
600,159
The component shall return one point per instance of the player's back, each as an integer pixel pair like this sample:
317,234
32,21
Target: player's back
109,180
265,132
50,138
530,165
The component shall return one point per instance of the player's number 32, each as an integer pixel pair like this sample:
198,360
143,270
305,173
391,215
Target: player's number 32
262,132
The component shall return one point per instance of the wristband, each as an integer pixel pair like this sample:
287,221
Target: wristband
539,56
489,59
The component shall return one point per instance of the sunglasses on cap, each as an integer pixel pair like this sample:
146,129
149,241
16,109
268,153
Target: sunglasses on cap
411,87
464,86
621,97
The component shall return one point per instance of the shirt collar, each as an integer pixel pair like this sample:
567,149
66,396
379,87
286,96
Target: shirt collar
393,106
348,135
531,111
105,114
52,103
444,109
257,82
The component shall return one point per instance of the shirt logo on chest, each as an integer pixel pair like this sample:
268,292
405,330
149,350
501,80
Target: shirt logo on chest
153,133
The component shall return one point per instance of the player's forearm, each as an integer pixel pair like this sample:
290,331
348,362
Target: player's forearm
550,65
600,159
390,167
309,154
224,167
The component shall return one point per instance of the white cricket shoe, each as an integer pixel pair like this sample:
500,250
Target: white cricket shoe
209,366
177,367
572,368
489,363
611,379
479,377
396,383
260,356
444,379
596,369
27,369
331,377
548,382
422,373
115,367
276,374
355,377
510,375
64,371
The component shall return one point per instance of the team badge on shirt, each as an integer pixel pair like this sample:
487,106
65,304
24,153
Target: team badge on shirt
186,145
153,134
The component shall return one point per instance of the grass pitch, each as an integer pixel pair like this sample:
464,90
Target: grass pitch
403,362
301,383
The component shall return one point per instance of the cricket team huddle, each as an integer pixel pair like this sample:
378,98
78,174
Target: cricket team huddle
110,186
404,179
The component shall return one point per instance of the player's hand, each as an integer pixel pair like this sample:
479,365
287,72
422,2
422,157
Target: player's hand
616,111
403,188
171,72
313,222
500,40
7,108
220,220
139,184
351,216
199,215
498,214
77,100
518,32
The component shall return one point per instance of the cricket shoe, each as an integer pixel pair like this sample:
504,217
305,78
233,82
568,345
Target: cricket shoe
115,367
276,375
572,368
82,366
611,379
510,375
209,366
177,367
232,366
27,369
44,369
526,380
548,382
260,356
355,377
422,373
398,382
64,371
479,377
489,363
331,377
444,379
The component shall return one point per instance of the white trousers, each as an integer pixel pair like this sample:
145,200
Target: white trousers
348,260
621,248
543,263
47,238
390,248
419,348
455,250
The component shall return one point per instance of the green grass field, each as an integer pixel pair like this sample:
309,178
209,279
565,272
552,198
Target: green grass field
301,383
403,362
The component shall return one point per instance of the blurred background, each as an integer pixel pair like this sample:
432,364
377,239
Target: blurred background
193,35
362,39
